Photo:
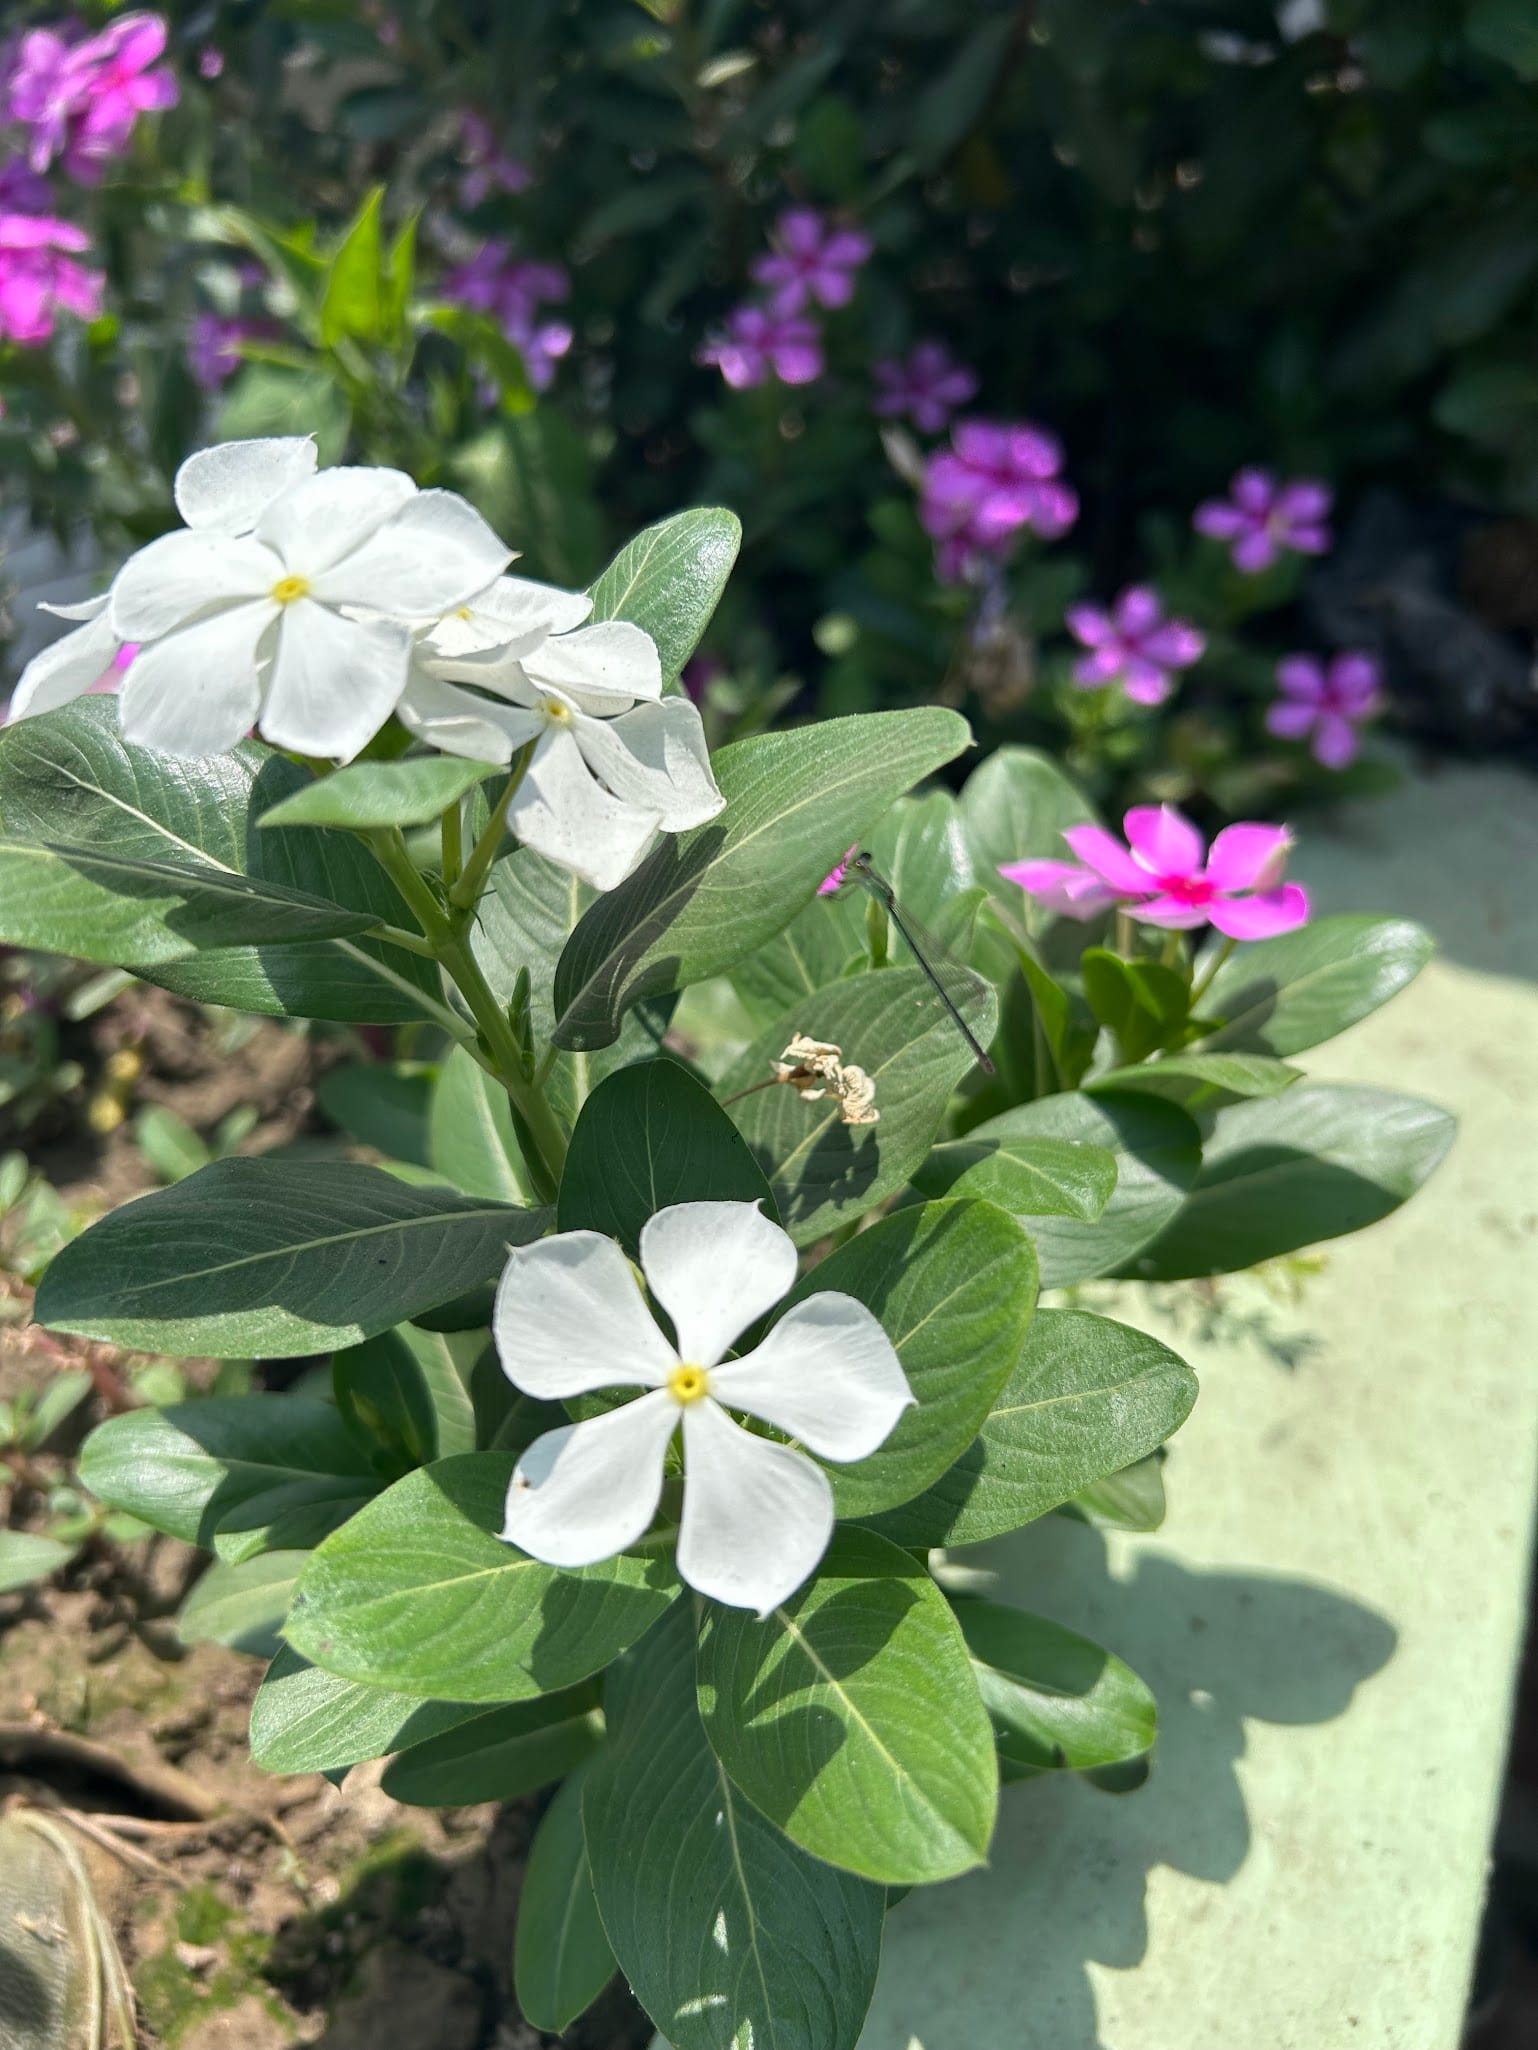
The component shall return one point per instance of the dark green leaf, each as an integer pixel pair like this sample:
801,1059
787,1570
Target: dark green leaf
498,1754
304,1720
1014,808
1056,1699
1130,1500
1028,1177
381,1105
561,1956
1201,1081
470,1133
383,1400
242,1605
1281,996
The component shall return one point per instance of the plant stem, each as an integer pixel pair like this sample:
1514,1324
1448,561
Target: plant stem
1200,989
465,892
397,936
1126,935
452,827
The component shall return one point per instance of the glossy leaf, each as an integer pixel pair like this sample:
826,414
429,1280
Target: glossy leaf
703,900
669,580
498,1754
239,1474
1087,1398
366,794
889,1023
1014,808
1130,1500
648,1136
726,1931
1284,995
350,304
1029,1177
1201,1081
384,1403
268,1258
851,1716
420,1595
242,1604
305,1720
1316,1163
954,1287
1157,1151
470,1133
69,775
1056,1699
1142,1003
561,1956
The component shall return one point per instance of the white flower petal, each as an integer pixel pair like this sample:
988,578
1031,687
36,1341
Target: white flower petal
757,1516
570,1317
334,681
826,1374
715,1268
612,659
224,489
195,692
656,757
184,575
68,667
327,516
87,608
562,812
435,553
514,614
586,1491
462,724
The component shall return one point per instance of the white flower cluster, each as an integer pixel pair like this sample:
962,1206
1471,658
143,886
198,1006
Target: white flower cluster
313,604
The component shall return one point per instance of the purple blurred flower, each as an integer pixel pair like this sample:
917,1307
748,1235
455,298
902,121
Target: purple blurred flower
757,342
210,61
22,191
1133,644
928,387
213,346
1326,705
81,99
490,168
1260,518
810,259
38,276
512,290
995,480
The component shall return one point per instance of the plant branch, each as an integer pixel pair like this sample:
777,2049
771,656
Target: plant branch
465,892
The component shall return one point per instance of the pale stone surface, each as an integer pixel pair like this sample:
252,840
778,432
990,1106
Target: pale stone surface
1331,1615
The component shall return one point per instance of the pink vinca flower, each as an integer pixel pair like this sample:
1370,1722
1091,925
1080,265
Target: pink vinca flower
833,882
118,77
756,342
995,480
810,259
926,388
1166,876
1261,518
1326,704
1133,644
40,94
39,275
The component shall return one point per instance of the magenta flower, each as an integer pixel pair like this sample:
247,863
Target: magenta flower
810,259
40,93
213,346
38,276
22,191
210,61
1133,644
120,78
756,342
927,388
490,168
512,290
834,880
1166,876
1328,703
995,480
1261,518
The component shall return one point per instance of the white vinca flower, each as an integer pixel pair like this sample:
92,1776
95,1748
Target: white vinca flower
613,762
757,1515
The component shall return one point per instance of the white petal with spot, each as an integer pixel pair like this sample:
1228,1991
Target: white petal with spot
588,1491
570,1317
715,1268
757,1516
826,1374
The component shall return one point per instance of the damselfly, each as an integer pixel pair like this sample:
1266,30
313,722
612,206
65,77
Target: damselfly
944,972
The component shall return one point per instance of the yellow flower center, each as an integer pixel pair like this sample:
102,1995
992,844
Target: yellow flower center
687,1382
555,711
463,612
287,589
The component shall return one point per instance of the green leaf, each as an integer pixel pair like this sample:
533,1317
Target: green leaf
271,1258
1029,1177
366,794
239,1474
498,1754
383,1401
1014,808
669,580
304,1720
705,899
1130,1500
242,1606
1506,30
648,1136
380,1104
1087,1398
1056,1699
561,1956
26,1556
1281,996
727,1932
70,775
59,1399
470,1133
889,1023
954,1288
419,1594
1201,1081
1157,1150
350,304
1319,1162
130,913
851,1717
170,1145
272,398
1143,1003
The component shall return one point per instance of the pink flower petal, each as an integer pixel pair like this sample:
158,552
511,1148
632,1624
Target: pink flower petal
1254,491
1173,913
1138,610
1089,625
1300,676
1248,857
1220,521
1262,917
1254,552
1145,682
1336,741
1105,854
1355,680
799,231
1175,645
1165,842
1310,540
1306,503
1289,719
1062,887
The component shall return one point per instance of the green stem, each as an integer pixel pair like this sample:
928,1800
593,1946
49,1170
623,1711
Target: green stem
1199,990
466,891
397,936
1126,935
452,826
